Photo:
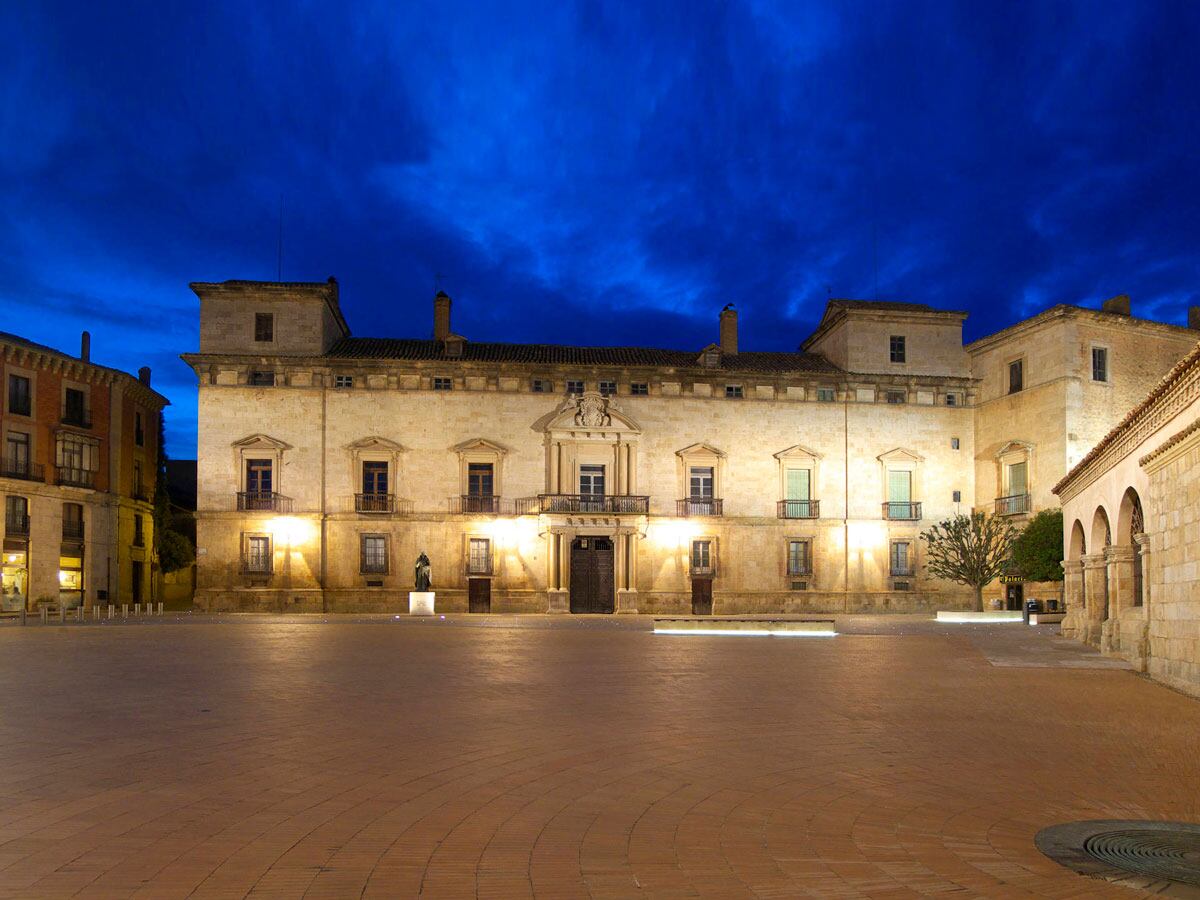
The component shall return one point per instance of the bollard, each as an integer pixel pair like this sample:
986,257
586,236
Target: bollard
45,615
112,610
62,613
160,607
124,610
137,609
79,613
22,615
96,613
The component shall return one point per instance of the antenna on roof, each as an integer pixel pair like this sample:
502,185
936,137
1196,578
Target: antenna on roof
279,249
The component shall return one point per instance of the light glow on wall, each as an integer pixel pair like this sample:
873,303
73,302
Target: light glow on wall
290,530
673,532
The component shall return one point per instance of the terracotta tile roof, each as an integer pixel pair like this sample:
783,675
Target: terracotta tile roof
555,354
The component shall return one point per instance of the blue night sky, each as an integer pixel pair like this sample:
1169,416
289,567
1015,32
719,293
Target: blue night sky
590,173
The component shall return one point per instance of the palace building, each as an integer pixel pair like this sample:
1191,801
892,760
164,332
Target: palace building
78,472
546,478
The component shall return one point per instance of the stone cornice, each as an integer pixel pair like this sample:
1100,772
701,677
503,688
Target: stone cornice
1172,448
1067,311
1178,388
55,361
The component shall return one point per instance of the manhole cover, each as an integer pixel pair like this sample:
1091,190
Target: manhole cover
1156,856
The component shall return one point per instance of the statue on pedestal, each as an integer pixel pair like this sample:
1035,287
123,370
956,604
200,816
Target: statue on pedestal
421,573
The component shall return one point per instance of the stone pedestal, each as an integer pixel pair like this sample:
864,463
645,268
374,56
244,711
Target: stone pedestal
558,602
420,603
627,602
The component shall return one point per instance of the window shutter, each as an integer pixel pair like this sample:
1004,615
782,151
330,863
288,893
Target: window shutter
1017,481
899,487
798,484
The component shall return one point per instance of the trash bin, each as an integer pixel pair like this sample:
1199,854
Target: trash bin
1031,606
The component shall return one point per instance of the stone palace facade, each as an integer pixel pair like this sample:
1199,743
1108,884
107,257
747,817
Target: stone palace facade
585,479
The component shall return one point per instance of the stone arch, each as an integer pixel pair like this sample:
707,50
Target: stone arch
1077,546
1130,518
1100,535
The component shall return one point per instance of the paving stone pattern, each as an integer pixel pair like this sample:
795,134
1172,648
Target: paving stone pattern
271,757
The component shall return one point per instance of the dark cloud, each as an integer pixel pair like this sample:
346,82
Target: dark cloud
590,172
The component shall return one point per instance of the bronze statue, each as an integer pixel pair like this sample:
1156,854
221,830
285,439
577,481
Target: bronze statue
421,573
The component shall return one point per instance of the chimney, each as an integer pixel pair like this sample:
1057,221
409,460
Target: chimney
1118,304
441,316
729,330
85,346
144,375
1194,317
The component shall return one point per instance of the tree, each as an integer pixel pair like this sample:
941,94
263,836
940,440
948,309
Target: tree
970,550
175,551
1038,550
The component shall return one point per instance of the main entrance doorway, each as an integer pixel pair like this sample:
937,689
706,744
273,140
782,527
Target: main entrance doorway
1014,597
592,576
701,596
479,595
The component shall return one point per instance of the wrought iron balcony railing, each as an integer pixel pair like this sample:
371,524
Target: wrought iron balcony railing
263,501
798,509
79,416
375,503
1012,505
22,468
620,504
708,571
73,531
481,503
74,477
16,525
902,510
699,506
904,571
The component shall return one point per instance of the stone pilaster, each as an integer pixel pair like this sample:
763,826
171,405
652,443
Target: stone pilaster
1095,585
1073,599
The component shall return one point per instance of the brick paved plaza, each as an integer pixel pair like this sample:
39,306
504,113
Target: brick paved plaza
572,758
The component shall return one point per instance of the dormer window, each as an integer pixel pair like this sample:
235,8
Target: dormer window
264,327
712,358
896,348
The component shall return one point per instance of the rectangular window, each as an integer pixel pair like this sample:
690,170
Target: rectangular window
574,387
343,381
136,581
639,389
901,564
1018,482
137,478
72,529
954,442
441,383
16,454
480,479
374,555
899,486
733,391
956,497
259,476
702,558
479,556
826,395
896,397
541,386
258,378
75,410
608,388
1016,376
1099,364
139,433
952,399
257,560
591,481
139,531
799,558
264,327
20,401
76,454
700,483
375,477
16,516
896,348
799,484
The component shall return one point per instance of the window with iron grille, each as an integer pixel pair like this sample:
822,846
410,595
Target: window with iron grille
574,386
639,389
702,557
542,386
264,327
16,452
374,554
896,397
261,379
343,381
896,348
19,398
441,383
901,563
608,388
139,432
139,530
799,557
479,556
1099,364
826,395
257,558
1016,376
733,391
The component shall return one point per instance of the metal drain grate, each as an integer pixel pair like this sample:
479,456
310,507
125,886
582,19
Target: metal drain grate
1157,856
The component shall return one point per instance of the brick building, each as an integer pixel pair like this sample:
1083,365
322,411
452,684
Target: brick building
564,478
77,474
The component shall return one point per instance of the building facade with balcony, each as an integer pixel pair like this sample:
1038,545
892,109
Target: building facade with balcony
77,471
552,478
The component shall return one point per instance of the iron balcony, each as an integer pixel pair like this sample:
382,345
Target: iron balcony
699,506
74,477
798,509
375,503
621,504
902,510
73,531
1012,505
79,416
485,504
16,525
263,501
22,468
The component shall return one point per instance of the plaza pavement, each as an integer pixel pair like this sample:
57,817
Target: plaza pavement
496,757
